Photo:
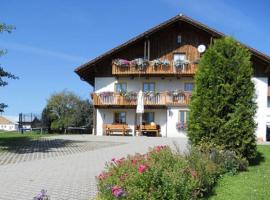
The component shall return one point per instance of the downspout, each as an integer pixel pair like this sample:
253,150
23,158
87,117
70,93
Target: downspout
167,122
144,52
148,54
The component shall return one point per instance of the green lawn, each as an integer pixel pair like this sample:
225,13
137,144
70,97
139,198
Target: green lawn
253,184
13,140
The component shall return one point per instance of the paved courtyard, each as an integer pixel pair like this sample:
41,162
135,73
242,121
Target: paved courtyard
66,165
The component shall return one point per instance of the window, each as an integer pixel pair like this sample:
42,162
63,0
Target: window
189,87
148,87
120,87
120,118
183,116
179,56
148,117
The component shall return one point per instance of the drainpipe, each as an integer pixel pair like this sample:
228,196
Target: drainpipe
144,52
148,54
167,123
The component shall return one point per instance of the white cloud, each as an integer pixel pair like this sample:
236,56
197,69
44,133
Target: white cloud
40,51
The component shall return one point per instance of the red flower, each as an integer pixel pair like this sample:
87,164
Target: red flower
142,168
117,191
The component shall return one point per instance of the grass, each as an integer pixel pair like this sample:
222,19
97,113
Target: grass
249,185
12,140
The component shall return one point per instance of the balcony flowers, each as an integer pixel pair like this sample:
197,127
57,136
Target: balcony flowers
175,93
106,94
181,63
121,62
129,96
180,126
140,63
151,94
160,63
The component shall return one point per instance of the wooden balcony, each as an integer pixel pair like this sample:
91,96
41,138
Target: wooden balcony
188,70
111,99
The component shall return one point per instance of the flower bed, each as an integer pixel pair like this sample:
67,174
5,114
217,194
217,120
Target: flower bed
162,174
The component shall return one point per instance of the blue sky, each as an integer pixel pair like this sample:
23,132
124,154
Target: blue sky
53,37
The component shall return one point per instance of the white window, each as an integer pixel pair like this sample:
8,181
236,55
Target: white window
183,116
189,87
148,87
120,87
179,56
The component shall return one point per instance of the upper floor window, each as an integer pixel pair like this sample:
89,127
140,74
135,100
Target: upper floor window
148,87
120,117
189,87
179,56
120,87
148,117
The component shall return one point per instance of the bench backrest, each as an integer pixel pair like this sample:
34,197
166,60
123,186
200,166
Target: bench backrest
115,126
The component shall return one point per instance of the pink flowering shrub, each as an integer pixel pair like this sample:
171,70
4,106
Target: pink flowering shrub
158,174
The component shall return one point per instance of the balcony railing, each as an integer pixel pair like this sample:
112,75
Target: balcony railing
158,99
187,70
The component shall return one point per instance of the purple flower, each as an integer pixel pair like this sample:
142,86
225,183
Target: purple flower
117,191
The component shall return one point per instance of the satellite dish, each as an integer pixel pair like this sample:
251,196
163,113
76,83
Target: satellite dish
201,48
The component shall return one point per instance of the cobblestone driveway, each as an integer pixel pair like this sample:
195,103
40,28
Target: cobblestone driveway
66,165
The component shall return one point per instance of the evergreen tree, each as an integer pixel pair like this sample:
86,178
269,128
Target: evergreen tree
223,104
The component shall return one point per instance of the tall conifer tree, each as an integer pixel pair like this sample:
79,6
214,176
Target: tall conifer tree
223,104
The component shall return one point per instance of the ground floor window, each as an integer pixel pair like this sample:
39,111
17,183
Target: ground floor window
148,117
120,117
183,116
183,119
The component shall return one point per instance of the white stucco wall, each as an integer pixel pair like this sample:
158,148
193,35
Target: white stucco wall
8,127
173,119
167,120
261,87
106,116
103,84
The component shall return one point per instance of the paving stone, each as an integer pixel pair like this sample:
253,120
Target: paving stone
66,165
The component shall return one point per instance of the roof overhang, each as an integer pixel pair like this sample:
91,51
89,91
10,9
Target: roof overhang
88,66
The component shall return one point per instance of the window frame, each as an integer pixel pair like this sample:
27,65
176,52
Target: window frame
148,113
118,83
114,117
179,53
186,116
148,86
189,83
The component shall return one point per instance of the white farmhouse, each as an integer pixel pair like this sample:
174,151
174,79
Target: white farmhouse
161,63
7,125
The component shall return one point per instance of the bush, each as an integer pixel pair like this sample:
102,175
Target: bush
223,106
228,161
163,174
159,174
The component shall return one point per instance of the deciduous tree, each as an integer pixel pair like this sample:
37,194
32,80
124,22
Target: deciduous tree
4,74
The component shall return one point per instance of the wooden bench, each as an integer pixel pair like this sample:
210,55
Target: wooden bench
108,129
149,128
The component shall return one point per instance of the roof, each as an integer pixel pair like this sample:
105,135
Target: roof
4,120
149,32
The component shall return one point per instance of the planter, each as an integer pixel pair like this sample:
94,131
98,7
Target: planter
181,64
140,63
121,63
